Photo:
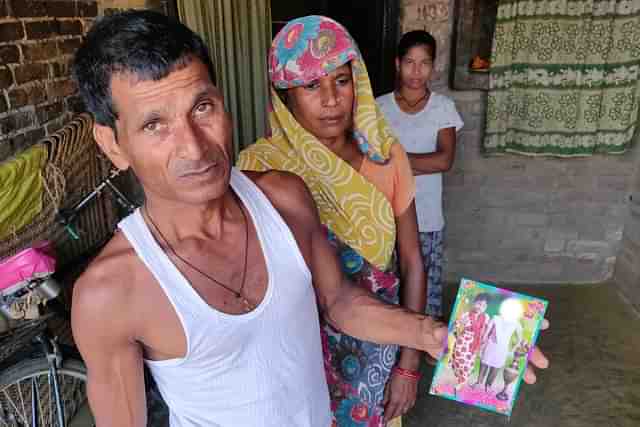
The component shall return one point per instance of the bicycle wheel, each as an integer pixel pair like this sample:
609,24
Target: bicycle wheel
16,396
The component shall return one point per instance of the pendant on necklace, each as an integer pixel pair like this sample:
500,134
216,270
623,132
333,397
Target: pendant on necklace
247,305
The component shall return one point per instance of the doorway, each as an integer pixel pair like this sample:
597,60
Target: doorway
373,25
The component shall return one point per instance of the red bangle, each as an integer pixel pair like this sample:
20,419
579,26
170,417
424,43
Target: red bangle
414,375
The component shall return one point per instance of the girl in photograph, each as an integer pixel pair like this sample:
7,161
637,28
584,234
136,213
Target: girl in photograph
469,330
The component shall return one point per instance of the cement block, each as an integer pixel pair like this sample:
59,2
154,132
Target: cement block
591,229
461,244
579,247
512,181
533,244
532,219
609,196
473,180
545,182
470,256
506,198
565,233
632,231
468,97
555,245
544,271
615,183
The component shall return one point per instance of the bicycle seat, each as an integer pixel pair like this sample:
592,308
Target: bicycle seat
35,262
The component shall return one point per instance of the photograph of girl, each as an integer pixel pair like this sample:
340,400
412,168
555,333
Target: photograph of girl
490,334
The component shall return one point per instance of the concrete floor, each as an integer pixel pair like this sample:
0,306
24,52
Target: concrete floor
593,379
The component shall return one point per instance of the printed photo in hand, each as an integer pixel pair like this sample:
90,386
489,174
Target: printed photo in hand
491,333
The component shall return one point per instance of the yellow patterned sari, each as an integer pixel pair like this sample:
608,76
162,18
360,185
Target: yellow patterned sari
352,207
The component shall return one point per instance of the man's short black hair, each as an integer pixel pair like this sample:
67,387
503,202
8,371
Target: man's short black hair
416,38
147,44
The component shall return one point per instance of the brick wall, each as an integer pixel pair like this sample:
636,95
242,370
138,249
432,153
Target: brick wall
519,219
109,7
37,41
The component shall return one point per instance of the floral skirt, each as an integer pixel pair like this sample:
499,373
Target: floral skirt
357,371
431,246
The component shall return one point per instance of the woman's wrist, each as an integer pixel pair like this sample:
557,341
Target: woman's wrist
407,373
409,359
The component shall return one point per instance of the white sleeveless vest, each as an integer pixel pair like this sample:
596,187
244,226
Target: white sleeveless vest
260,369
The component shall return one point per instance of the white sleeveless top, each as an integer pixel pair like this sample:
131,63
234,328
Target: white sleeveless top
259,369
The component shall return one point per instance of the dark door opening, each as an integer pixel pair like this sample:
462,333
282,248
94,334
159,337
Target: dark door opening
373,25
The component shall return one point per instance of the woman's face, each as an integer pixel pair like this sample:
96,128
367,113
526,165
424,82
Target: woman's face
324,107
480,306
415,68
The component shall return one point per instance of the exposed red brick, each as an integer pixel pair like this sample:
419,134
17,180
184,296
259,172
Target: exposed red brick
17,121
9,54
70,28
28,95
30,72
11,31
69,46
40,51
61,68
25,140
46,113
6,78
88,8
61,89
28,8
42,29
61,9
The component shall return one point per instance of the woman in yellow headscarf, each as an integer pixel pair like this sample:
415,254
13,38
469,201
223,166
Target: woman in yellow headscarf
327,129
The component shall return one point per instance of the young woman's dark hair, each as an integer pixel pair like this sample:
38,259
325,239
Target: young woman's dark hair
143,43
416,38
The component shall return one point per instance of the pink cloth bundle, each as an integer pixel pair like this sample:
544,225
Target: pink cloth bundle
35,262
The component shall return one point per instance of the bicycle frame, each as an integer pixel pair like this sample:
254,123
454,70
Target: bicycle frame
53,355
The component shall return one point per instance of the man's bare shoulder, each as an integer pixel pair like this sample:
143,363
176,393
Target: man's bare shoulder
109,280
286,191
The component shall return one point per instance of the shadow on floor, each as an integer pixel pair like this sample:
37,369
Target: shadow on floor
593,379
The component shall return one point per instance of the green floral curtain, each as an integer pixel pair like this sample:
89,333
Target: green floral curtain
238,34
564,78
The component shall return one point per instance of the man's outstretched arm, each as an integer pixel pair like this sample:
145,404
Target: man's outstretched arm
357,312
348,307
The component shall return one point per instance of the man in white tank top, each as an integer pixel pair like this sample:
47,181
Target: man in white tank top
210,282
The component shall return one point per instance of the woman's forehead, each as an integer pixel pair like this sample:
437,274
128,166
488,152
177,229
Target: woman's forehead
421,51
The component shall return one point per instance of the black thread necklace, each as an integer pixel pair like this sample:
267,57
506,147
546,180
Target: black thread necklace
399,95
238,294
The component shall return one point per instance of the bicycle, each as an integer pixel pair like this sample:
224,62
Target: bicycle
42,382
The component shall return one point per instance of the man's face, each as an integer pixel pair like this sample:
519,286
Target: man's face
174,133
